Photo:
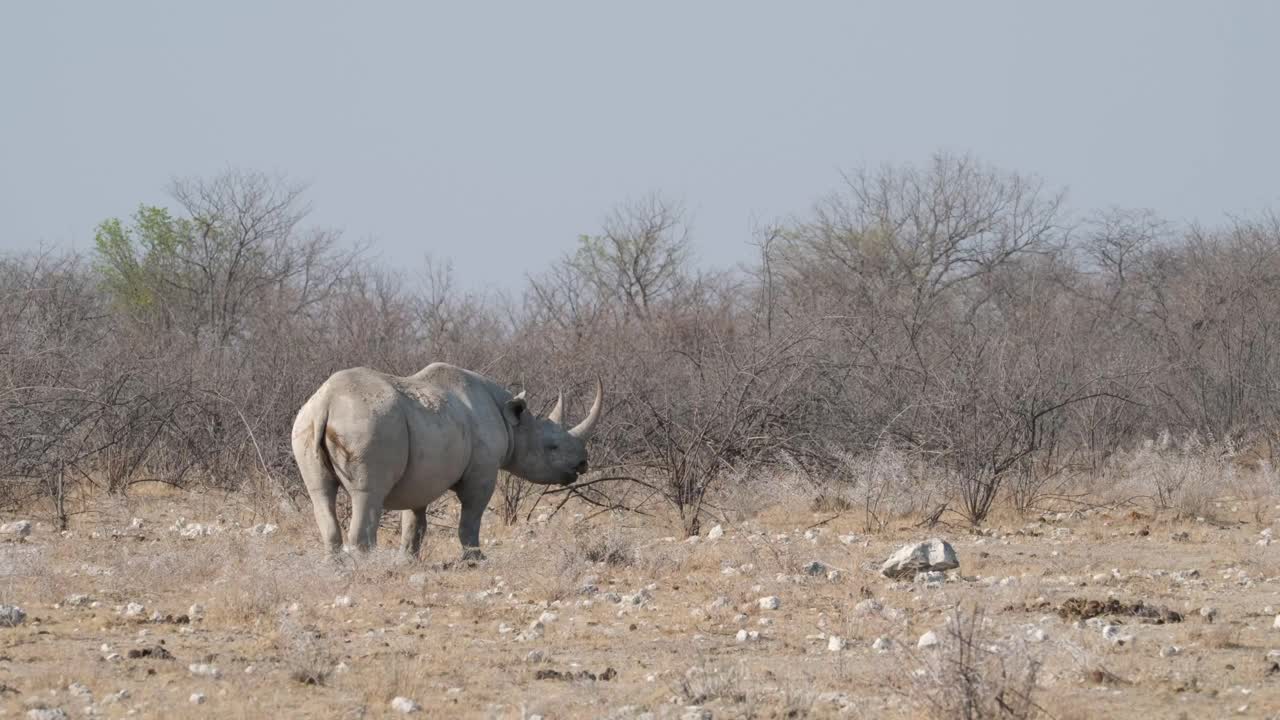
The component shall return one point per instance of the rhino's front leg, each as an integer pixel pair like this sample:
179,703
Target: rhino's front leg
474,492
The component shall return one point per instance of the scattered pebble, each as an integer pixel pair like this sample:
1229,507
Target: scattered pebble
835,643
404,705
715,533
816,568
204,670
17,528
13,616
343,601
197,698
772,602
927,640
882,644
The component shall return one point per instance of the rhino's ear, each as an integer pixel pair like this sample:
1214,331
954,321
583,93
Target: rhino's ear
515,409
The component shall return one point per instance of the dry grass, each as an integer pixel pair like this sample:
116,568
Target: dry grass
629,594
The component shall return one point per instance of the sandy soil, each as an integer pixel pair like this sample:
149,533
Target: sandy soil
653,618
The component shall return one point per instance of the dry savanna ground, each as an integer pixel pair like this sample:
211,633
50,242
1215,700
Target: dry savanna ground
618,617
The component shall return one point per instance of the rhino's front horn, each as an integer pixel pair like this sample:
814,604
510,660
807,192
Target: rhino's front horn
584,428
557,413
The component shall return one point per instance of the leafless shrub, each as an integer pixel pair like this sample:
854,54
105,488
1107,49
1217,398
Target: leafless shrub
971,677
703,683
1184,475
304,652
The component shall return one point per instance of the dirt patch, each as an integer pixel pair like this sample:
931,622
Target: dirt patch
1082,609
155,653
607,675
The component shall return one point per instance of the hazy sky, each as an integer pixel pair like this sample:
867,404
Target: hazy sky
495,133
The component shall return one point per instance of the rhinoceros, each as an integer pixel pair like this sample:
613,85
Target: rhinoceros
398,443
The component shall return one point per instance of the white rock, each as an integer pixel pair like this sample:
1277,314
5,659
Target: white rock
927,640
1037,635
404,705
263,529
343,601
930,578
933,554
882,644
747,636
197,698
1169,651
715,533
135,524
835,643
547,617
134,609
533,632
204,670
772,602
868,606
17,528
1275,624
12,616
115,697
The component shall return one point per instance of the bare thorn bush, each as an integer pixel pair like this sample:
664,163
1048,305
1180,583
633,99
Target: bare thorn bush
972,676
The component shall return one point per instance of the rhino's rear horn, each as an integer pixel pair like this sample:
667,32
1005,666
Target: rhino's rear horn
583,429
557,413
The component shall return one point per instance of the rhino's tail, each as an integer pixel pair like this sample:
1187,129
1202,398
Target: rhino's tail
312,454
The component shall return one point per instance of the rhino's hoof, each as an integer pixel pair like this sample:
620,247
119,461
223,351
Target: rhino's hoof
471,556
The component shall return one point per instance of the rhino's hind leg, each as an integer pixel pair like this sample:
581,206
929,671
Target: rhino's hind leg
413,525
366,510
324,502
